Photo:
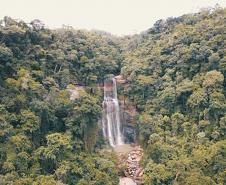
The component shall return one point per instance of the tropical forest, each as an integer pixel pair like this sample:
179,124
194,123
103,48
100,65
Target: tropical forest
82,107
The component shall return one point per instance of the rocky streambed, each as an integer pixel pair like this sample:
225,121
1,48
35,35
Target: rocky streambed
129,161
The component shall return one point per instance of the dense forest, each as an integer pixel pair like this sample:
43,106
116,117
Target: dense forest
176,71
175,76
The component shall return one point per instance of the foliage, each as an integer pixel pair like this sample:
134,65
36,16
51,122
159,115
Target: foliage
44,132
176,77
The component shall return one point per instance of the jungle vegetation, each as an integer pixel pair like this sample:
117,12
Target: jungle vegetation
176,79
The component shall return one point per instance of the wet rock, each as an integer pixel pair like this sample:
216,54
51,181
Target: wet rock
129,133
133,169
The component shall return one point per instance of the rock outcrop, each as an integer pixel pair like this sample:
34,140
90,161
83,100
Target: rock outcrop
133,168
127,109
131,164
120,79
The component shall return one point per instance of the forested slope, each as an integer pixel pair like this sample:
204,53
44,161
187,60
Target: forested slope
176,73
46,138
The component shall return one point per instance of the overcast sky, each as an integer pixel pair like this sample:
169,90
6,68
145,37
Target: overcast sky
120,17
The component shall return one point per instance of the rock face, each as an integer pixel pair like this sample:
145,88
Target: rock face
128,111
129,133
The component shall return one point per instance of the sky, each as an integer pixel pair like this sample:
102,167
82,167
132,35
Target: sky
119,17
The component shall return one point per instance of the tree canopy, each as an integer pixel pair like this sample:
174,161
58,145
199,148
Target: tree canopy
50,101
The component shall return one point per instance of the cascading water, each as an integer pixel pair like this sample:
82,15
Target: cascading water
111,124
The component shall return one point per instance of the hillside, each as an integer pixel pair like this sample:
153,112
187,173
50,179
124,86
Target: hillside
176,73
45,137
50,101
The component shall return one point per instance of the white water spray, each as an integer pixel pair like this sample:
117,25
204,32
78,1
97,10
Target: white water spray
111,124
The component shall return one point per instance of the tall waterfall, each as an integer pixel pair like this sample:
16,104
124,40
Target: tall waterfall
111,124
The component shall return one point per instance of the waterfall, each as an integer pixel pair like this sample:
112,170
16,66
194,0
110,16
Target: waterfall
111,124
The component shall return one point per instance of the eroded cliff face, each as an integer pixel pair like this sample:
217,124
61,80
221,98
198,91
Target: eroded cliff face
128,111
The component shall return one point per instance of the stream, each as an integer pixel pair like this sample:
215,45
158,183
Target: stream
130,157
